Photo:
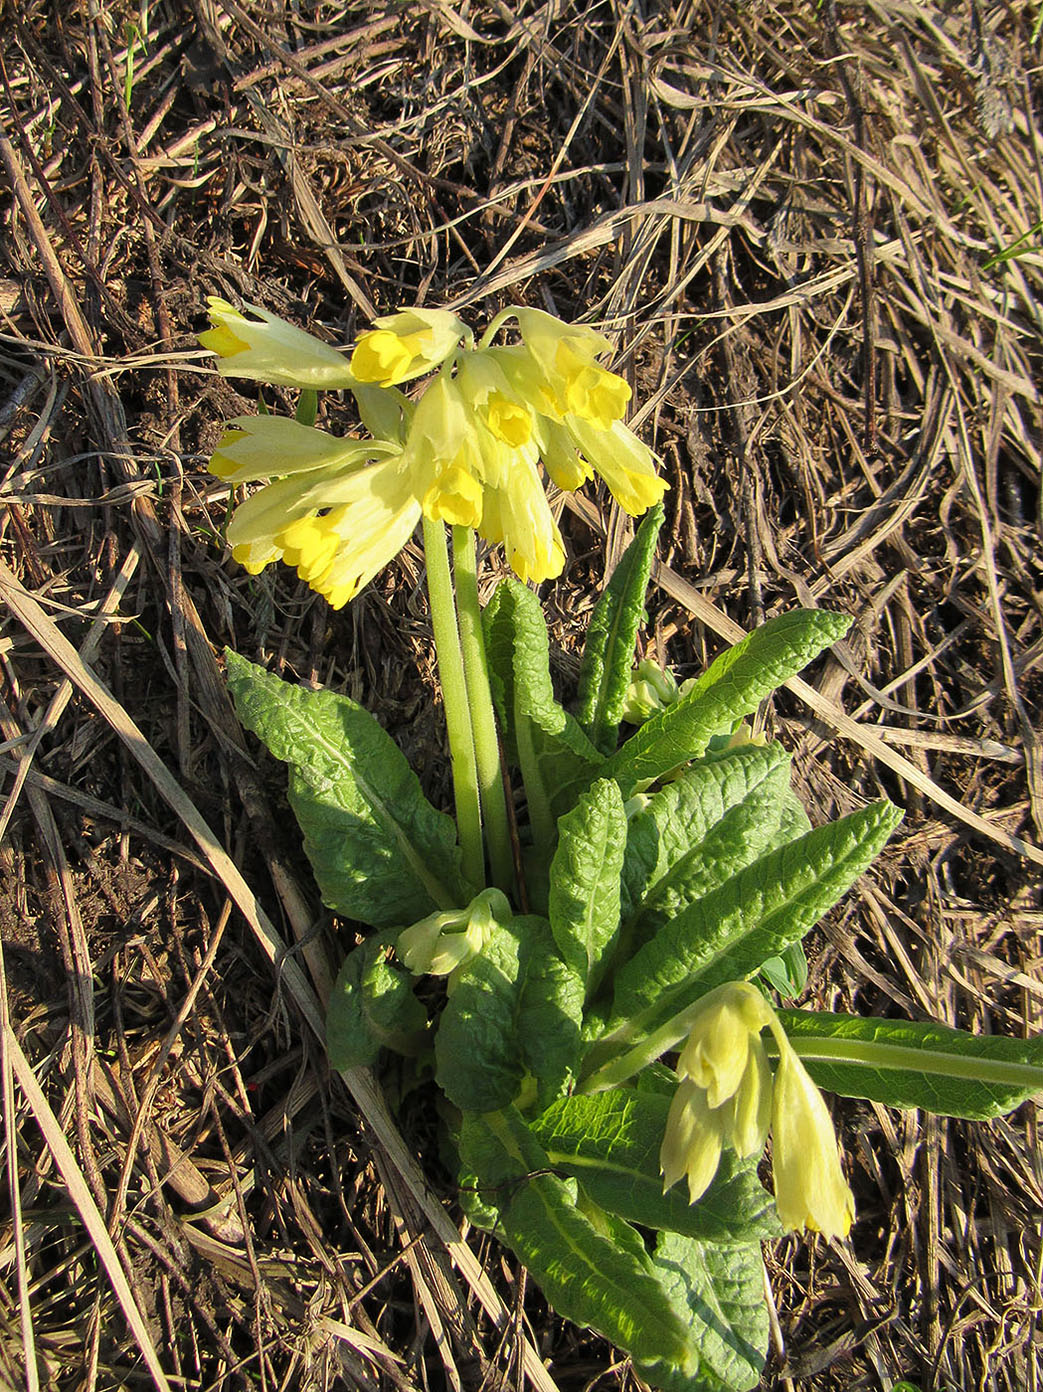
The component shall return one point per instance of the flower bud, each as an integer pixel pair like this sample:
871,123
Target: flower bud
268,349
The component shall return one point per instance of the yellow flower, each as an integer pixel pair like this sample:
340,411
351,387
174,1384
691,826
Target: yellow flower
718,1045
341,511
469,472
574,383
406,345
810,1188
727,1096
268,349
692,1141
443,457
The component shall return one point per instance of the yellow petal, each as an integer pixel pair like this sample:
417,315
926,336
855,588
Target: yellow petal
810,1188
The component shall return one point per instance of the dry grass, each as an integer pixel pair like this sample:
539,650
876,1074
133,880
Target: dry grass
794,222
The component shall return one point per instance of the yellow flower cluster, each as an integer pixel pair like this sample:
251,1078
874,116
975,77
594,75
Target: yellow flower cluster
469,451
726,1095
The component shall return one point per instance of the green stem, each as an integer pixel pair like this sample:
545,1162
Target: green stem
483,719
454,695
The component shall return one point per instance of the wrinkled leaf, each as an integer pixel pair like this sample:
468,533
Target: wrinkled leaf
733,686
556,758
745,831
610,1142
584,880
720,1290
684,811
514,1010
906,1063
372,1007
754,916
380,852
587,1276
608,653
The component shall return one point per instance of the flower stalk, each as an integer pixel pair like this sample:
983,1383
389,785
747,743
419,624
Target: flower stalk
455,697
480,704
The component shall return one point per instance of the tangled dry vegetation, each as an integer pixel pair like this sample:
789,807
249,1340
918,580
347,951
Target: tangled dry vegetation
815,236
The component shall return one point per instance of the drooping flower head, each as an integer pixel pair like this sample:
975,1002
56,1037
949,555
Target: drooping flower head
467,452
726,1095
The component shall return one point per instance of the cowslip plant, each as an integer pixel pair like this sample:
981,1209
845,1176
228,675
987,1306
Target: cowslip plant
606,1026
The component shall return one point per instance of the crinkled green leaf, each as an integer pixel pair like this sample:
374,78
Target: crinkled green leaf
513,1010
587,1276
610,1142
584,880
745,831
556,757
720,1291
906,1063
608,652
732,687
682,814
372,1007
550,1013
380,852
753,916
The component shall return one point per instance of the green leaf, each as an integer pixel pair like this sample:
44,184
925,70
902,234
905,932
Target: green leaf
727,935
372,1008
584,880
550,1013
608,653
513,1010
683,813
588,1277
744,832
732,687
914,1064
720,1291
380,852
555,756
610,1142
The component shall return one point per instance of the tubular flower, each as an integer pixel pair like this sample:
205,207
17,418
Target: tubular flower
406,345
726,1096
577,407
810,1188
341,510
441,942
268,349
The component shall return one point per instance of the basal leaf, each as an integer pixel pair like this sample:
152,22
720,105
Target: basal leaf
720,1290
913,1064
584,880
732,687
550,1012
477,1063
745,831
610,1142
381,853
514,1012
608,652
684,811
372,1007
587,1276
556,758
727,935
